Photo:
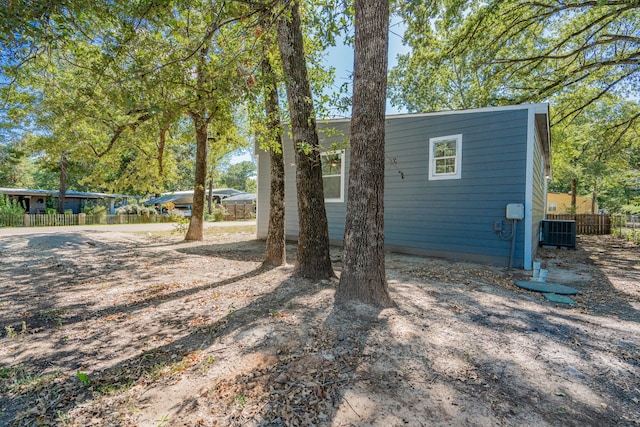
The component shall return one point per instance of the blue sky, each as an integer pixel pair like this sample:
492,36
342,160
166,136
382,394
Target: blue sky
341,57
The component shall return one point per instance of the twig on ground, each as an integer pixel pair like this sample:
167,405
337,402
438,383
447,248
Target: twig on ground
354,411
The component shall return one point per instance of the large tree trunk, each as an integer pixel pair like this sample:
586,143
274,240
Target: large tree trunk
313,241
195,231
594,194
275,252
363,275
62,189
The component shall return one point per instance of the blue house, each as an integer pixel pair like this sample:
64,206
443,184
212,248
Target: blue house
467,185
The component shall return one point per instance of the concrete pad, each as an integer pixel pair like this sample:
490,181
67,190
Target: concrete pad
563,299
547,287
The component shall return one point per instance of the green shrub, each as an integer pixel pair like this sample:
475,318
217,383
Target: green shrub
176,216
94,209
135,210
217,214
51,203
630,209
10,207
181,226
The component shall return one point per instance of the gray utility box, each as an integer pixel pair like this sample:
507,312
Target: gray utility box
558,233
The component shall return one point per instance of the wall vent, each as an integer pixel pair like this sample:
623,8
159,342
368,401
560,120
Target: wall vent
558,233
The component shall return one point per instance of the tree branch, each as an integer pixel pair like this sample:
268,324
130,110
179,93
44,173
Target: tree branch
118,132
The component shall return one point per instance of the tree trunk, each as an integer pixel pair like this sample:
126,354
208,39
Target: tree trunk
201,125
195,231
363,275
210,197
574,190
62,189
594,194
275,252
161,147
313,241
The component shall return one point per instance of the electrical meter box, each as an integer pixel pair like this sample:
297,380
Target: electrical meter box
515,211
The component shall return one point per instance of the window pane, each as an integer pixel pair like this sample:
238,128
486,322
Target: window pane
331,187
445,157
444,148
446,165
331,164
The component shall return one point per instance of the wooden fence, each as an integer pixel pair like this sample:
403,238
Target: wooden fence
8,220
238,211
586,223
232,213
51,220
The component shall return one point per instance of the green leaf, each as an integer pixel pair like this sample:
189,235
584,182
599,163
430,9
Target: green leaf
83,378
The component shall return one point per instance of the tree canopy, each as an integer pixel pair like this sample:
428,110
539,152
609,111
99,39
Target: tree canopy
240,176
476,53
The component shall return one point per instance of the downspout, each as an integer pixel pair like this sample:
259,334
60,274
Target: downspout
513,241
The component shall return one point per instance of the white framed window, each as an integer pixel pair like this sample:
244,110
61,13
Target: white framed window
553,206
333,175
445,157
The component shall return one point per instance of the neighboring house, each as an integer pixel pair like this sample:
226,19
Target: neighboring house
34,201
560,203
449,177
183,200
240,199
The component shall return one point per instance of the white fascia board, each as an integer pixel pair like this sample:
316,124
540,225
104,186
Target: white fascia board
542,108
539,108
528,192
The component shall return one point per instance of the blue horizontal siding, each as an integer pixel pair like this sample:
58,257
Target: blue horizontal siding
454,216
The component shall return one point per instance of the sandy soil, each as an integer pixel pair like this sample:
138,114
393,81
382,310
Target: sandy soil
106,328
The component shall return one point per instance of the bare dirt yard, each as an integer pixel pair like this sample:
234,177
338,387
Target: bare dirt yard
105,328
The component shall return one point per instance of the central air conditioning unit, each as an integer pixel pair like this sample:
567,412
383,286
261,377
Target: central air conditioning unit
558,233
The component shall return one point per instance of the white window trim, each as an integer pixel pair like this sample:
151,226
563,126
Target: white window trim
432,161
342,169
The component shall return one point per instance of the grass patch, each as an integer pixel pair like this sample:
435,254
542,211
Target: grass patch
160,370
19,379
10,332
52,316
230,229
240,400
121,379
208,231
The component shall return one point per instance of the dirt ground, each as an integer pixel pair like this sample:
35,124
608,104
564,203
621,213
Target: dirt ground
104,328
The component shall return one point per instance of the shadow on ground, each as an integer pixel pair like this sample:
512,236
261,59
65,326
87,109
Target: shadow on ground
258,347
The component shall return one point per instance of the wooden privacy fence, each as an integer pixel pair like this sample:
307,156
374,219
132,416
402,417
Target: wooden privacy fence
238,211
587,223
